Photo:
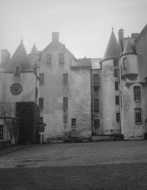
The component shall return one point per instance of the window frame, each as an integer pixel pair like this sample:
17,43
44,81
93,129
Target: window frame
49,59
1,132
118,117
41,103
65,104
65,78
137,93
61,58
96,105
117,100
138,116
41,79
73,123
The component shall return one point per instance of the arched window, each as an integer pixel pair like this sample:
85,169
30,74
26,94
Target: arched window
137,93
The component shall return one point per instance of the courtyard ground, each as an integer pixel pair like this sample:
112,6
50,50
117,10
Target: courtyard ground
98,166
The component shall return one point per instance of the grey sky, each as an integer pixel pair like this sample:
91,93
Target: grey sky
84,25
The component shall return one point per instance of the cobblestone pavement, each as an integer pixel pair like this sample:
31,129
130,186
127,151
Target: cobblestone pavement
77,154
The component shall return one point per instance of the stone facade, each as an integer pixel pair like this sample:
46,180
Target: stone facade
80,98
65,92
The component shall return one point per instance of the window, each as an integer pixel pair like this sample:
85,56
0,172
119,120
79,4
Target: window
138,115
73,123
65,104
118,117
116,85
96,90
65,78
65,117
117,100
115,62
49,59
61,58
1,132
137,93
41,78
41,103
116,72
95,78
96,105
96,123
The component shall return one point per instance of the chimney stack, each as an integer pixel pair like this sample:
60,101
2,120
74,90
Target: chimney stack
55,36
5,56
121,37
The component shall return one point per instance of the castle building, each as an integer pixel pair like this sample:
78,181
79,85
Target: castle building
50,94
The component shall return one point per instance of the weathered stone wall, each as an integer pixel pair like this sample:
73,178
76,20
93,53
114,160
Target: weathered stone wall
80,102
53,90
27,81
129,128
109,108
141,47
8,100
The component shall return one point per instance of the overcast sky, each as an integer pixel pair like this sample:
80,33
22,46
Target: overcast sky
84,25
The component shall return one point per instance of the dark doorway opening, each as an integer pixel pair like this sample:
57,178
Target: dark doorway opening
27,120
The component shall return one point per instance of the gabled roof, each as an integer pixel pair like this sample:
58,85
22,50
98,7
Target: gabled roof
143,32
113,48
34,50
129,47
20,58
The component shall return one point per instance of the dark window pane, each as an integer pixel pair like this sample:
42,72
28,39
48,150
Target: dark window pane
96,105
138,115
1,132
65,104
117,100
96,79
41,78
73,123
116,85
118,117
65,117
116,72
137,93
96,123
41,103
65,78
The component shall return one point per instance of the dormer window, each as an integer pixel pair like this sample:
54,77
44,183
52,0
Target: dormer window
137,93
61,58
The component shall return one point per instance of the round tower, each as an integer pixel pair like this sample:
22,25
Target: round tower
131,94
110,88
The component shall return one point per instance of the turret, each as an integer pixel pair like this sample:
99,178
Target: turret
5,56
129,63
113,48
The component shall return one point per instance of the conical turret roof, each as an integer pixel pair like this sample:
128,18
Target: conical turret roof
113,48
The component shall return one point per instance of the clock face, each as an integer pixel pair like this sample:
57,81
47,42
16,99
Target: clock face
16,88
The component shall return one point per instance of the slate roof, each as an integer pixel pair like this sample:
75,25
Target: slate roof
113,48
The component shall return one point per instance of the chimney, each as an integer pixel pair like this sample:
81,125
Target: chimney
121,37
55,36
5,56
